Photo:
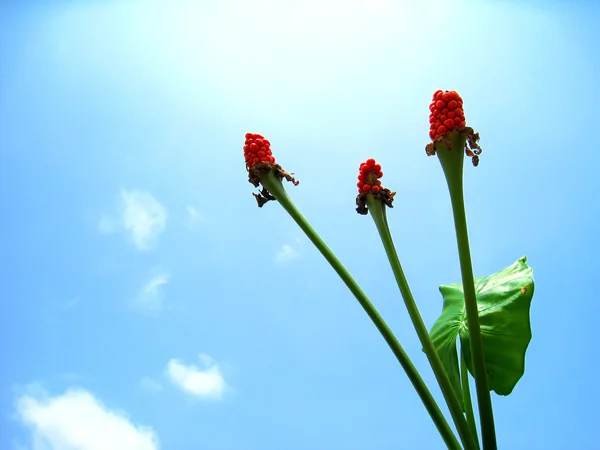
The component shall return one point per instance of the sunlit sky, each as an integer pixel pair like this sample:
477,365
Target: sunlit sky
148,303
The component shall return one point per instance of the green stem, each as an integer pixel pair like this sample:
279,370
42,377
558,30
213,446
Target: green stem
464,373
275,188
452,163
378,212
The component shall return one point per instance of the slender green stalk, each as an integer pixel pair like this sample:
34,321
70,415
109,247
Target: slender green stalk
452,163
464,373
275,187
378,212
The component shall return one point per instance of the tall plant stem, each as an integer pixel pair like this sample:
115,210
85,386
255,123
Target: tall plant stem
466,390
452,161
275,188
377,210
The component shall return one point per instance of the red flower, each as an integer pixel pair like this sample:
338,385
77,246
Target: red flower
446,113
257,150
368,176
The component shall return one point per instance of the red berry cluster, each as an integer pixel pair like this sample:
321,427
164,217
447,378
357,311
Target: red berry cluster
446,113
257,149
368,176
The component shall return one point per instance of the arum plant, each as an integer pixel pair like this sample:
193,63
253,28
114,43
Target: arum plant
451,139
488,316
262,170
374,199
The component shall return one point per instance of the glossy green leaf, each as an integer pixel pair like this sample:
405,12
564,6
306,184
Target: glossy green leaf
443,334
504,299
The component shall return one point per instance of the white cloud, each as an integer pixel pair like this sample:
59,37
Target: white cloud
150,298
143,217
108,225
195,217
205,383
76,420
149,384
72,303
286,253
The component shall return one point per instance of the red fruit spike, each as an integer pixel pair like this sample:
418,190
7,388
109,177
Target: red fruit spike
446,97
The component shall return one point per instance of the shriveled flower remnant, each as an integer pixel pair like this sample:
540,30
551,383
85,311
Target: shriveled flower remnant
447,115
259,163
369,183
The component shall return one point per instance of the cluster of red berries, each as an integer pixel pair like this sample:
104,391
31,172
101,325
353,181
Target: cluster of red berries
446,113
257,149
368,176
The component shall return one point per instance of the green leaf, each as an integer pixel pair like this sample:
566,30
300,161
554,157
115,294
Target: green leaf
504,299
444,333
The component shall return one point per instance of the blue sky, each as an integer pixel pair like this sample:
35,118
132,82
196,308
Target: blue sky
148,303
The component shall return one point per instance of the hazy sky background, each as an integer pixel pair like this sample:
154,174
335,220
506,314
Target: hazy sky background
148,303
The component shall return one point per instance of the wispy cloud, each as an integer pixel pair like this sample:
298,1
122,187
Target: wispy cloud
76,420
150,299
149,384
206,382
195,217
141,216
108,224
144,218
72,303
286,253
